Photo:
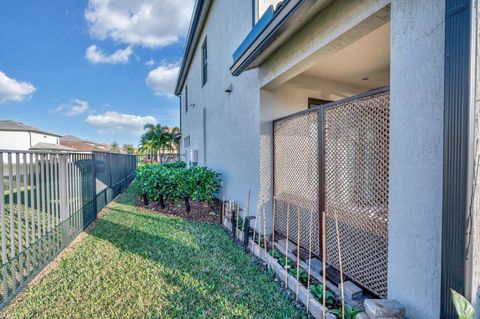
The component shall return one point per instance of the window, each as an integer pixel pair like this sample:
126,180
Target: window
186,99
204,62
186,141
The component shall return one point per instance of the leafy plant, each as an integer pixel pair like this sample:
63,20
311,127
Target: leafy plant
275,254
176,182
302,275
350,313
179,164
463,307
317,291
284,263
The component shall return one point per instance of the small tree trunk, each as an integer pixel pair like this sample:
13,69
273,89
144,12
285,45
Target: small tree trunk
187,204
145,199
160,199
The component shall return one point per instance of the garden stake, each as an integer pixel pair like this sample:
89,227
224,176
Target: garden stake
232,205
246,233
223,210
259,238
233,221
298,248
248,213
264,233
273,232
324,262
238,216
341,266
286,245
256,217
309,259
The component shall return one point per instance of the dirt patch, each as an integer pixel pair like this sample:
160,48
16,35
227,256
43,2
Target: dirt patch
208,212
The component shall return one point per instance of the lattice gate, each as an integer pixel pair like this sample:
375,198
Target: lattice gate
336,158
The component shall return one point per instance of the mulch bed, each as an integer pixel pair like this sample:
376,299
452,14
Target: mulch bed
199,211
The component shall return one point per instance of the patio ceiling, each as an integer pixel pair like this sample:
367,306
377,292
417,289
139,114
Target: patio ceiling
365,63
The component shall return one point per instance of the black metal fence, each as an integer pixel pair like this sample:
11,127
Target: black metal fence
46,200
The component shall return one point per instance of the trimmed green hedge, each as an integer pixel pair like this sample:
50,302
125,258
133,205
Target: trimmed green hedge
175,181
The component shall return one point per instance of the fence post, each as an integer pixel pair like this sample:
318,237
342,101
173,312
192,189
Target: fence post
63,184
94,182
246,232
233,221
110,169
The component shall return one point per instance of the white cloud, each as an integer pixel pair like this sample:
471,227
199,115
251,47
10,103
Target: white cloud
114,122
150,62
75,107
162,79
13,90
147,23
96,55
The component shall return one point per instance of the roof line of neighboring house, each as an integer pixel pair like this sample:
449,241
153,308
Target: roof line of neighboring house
13,126
196,25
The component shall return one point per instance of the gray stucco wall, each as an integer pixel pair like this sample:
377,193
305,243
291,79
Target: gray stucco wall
231,119
417,95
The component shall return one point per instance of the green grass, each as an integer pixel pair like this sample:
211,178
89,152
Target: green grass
141,265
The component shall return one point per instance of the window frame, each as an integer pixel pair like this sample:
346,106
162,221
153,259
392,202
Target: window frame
186,99
204,52
185,140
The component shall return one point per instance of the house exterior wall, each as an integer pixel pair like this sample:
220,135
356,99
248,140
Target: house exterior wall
44,138
238,126
14,140
224,127
20,140
416,155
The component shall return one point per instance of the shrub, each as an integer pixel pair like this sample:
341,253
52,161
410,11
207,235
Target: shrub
177,182
179,164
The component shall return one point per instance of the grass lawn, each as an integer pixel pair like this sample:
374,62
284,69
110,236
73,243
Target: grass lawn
137,264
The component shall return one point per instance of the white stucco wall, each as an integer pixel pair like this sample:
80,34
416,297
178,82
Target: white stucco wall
22,141
232,119
417,96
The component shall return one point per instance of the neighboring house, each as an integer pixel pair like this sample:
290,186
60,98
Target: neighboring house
17,136
397,165
79,144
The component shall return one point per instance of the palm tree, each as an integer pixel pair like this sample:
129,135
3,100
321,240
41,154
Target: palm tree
155,138
128,148
114,147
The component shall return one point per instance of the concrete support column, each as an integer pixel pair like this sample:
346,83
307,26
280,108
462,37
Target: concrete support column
416,156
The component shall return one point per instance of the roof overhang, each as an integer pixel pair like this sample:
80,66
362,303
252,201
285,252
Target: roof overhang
199,16
272,30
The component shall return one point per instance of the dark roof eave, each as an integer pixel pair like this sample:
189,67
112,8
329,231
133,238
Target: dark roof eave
288,15
192,38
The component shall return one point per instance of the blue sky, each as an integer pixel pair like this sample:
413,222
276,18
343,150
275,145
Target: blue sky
96,69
